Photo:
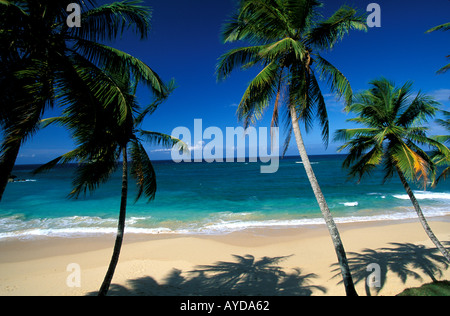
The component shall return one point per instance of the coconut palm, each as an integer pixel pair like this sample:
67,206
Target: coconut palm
286,38
442,158
393,132
442,27
103,137
42,60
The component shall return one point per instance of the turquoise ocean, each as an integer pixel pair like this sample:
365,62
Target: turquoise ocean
208,198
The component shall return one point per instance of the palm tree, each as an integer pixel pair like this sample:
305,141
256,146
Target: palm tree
43,60
392,136
286,38
439,157
442,27
103,137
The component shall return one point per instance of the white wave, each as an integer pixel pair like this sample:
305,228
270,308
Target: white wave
82,232
424,195
313,163
234,214
135,220
23,180
232,226
84,226
350,204
381,195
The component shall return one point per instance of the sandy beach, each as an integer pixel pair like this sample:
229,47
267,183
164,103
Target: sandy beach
268,262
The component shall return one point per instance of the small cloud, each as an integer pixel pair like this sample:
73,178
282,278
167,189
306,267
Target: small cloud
333,102
161,150
27,156
199,145
441,95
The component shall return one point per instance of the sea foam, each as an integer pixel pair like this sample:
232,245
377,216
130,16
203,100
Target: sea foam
424,195
220,225
350,204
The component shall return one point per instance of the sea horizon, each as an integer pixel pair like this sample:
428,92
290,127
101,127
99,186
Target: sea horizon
208,198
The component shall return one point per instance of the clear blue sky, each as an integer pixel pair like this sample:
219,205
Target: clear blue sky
185,44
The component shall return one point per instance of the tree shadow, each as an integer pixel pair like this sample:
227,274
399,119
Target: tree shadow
406,260
246,276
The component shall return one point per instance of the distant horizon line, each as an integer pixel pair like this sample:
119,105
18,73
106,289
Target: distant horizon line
204,161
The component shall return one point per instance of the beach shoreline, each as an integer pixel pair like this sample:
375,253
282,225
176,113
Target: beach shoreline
149,263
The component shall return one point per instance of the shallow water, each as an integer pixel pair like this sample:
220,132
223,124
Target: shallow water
208,198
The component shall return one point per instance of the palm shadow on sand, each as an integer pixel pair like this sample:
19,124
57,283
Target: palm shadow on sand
405,260
245,276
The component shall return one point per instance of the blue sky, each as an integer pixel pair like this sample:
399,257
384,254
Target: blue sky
185,44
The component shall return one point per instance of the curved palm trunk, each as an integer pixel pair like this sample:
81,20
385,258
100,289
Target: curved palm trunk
422,218
335,236
120,230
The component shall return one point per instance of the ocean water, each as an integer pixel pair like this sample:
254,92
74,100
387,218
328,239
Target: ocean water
208,198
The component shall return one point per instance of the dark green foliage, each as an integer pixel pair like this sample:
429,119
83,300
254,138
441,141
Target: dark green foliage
438,288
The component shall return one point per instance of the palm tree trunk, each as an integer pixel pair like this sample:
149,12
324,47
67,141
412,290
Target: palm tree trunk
6,166
120,230
422,218
334,232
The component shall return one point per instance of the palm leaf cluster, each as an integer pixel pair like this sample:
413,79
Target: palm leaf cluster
393,134
101,134
286,37
44,63
442,158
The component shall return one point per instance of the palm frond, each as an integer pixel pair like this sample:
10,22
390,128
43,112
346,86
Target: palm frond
410,163
111,20
347,134
421,109
240,28
445,123
444,69
97,170
338,83
260,91
262,20
442,27
301,13
142,169
282,48
117,61
76,155
364,156
151,108
239,57
315,107
160,139
443,176
441,157
326,34
287,123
